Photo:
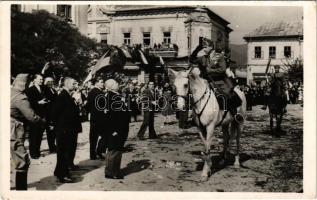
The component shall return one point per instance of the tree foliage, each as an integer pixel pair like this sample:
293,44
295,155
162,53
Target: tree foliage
295,69
40,37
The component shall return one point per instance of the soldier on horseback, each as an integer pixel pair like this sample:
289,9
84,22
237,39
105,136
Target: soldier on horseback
214,66
277,75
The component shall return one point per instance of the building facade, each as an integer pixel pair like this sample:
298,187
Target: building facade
281,42
174,28
76,14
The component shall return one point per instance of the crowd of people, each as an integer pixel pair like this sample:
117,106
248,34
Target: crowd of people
58,108
255,94
108,102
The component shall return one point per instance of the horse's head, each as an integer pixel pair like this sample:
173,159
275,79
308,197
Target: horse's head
181,83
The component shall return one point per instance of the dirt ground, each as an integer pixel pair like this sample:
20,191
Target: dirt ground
174,162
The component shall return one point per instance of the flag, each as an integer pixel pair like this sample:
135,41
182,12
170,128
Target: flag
125,52
88,78
161,60
102,62
143,58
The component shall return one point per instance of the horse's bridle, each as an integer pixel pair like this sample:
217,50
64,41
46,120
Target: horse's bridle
200,99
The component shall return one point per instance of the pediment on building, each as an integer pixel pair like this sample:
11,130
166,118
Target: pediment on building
103,28
198,17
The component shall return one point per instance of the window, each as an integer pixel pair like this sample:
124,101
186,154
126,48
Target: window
64,11
127,38
257,52
16,7
167,37
272,52
89,31
146,38
103,38
287,51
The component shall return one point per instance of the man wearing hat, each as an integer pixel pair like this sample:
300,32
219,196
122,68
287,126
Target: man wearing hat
21,113
214,66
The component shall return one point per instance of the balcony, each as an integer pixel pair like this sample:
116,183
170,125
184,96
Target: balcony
165,53
165,50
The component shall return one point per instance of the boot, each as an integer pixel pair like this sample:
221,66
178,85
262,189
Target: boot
234,103
21,182
237,116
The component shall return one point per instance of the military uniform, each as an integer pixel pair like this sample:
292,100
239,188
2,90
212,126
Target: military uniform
285,86
214,66
21,113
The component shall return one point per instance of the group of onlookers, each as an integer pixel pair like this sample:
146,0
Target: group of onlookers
38,107
255,94
44,106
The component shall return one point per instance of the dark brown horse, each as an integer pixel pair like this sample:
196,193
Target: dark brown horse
277,104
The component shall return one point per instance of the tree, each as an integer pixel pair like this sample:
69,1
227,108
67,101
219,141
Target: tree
295,69
40,37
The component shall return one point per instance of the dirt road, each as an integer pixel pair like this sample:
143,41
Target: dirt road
173,162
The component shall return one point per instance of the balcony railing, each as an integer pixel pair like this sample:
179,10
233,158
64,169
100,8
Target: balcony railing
165,53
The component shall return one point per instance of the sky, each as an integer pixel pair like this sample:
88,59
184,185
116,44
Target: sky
247,18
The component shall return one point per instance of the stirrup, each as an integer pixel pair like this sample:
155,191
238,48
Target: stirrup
239,118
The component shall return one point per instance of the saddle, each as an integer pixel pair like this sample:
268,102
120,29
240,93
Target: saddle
225,97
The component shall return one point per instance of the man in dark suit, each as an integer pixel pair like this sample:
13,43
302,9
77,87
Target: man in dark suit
50,94
148,103
38,102
95,105
67,123
117,119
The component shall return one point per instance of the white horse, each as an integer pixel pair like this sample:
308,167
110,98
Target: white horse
207,113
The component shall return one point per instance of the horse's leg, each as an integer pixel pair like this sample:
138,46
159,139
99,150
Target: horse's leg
277,130
208,163
225,132
279,122
235,130
271,123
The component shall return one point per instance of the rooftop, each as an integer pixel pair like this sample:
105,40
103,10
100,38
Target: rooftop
277,29
151,9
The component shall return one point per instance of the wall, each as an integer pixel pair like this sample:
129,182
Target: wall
156,24
258,65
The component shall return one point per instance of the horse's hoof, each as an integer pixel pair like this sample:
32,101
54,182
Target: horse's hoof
204,178
236,165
